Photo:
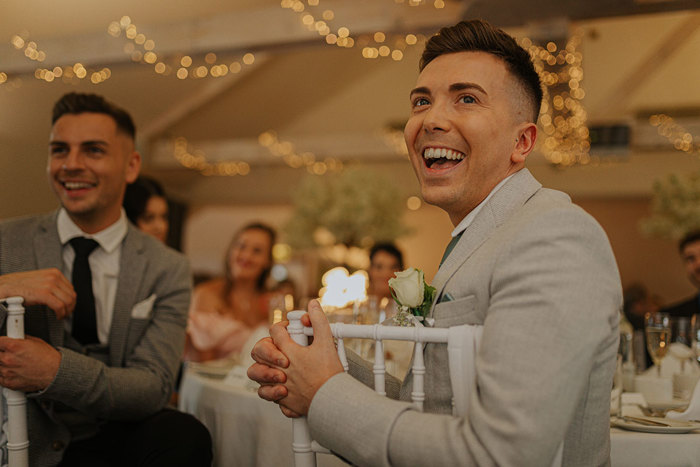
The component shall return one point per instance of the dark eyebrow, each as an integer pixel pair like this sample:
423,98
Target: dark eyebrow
462,86
420,90
97,142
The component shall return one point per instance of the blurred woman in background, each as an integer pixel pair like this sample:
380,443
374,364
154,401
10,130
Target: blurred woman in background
384,260
226,311
147,208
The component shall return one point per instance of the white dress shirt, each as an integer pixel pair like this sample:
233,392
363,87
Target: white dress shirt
469,218
104,266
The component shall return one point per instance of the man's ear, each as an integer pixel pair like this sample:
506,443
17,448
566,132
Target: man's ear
525,143
133,166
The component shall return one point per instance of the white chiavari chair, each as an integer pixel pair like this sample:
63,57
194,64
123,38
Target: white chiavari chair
15,402
462,344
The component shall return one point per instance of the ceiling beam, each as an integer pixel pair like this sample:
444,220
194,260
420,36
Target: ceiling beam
653,61
185,106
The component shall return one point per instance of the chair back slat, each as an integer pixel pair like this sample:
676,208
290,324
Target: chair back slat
341,354
379,368
16,429
418,369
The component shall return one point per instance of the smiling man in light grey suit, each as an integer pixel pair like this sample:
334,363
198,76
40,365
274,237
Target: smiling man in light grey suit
97,380
535,270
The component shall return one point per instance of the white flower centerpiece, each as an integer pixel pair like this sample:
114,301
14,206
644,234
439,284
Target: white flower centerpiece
412,295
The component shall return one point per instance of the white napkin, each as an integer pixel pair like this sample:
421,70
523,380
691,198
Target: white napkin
671,363
693,410
631,401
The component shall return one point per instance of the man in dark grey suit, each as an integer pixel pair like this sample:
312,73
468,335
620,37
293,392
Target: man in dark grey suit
689,249
534,270
103,349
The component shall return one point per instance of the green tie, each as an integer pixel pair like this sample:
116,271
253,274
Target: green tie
450,246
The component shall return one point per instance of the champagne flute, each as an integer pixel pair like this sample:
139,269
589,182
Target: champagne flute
658,335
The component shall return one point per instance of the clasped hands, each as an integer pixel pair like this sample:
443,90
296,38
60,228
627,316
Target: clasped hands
31,364
290,374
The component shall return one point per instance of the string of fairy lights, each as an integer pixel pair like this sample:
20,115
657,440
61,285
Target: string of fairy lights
196,159
141,49
295,159
377,45
562,117
65,73
678,135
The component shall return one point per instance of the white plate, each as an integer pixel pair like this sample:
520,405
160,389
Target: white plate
676,426
667,405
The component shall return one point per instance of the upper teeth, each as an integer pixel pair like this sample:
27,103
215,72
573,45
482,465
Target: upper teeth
437,153
76,185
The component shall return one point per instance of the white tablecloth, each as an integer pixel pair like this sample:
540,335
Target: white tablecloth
248,431
635,449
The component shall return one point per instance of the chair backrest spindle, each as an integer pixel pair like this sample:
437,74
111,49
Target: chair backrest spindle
16,429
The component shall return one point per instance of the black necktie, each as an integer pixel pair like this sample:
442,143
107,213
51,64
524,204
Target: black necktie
84,320
450,246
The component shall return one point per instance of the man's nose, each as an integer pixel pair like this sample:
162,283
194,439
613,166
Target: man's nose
436,119
74,160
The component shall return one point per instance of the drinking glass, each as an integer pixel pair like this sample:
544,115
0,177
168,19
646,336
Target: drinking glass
658,334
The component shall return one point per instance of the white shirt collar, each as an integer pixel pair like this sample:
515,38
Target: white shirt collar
109,238
469,218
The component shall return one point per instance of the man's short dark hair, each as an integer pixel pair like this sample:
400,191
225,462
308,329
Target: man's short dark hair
389,248
480,36
78,103
691,237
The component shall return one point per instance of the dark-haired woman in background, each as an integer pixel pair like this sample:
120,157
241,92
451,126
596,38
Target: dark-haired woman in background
384,260
225,311
147,208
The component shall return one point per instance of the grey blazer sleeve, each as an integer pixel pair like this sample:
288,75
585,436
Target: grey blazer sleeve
550,296
143,382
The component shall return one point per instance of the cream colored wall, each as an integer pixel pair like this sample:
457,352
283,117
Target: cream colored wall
24,188
653,262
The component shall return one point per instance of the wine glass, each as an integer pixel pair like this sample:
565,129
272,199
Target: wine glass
658,334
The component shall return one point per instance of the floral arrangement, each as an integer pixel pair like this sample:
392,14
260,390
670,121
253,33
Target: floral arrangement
412,295
675,207
354,208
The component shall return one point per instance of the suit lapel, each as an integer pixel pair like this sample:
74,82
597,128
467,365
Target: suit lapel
497,210
49,254
132,266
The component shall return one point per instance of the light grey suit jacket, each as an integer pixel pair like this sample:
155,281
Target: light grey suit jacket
539,274
136,375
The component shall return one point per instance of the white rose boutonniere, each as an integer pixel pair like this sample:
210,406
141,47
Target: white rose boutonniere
413,296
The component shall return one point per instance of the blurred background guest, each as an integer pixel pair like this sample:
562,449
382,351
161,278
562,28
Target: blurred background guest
689,249
384,260
226,311
147,208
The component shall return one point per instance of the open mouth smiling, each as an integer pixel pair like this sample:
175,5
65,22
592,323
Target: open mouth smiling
72,185
442,158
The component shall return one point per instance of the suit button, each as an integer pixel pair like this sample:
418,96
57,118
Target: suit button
44,405
58,445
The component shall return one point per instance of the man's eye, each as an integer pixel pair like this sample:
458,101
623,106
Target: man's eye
95,150
421,101
467,99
